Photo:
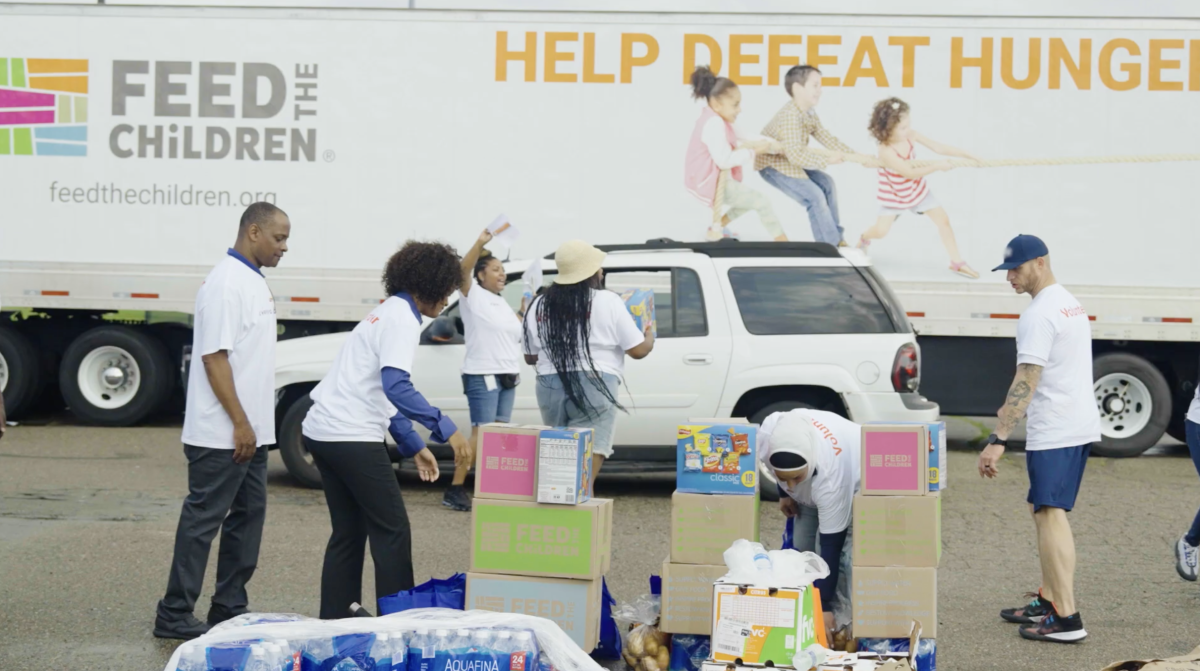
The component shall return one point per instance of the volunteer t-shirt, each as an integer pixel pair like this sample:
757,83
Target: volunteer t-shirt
349,405
612,333
235,312
1054,333
838,471
493,334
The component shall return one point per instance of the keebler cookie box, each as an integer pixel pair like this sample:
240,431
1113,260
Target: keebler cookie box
717,459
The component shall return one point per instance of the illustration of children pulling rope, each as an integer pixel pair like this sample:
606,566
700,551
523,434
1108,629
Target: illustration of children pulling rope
902,185
715,156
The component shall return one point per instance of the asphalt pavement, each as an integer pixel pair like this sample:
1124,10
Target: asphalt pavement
87,518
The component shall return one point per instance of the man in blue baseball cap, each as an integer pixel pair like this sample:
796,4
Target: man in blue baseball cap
1053,385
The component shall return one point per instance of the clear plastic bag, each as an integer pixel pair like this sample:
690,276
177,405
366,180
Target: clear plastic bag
645,647
556,648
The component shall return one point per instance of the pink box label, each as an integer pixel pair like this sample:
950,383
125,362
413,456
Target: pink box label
507,464
891,461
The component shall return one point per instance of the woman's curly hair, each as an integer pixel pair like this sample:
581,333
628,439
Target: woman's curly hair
428,271
884,118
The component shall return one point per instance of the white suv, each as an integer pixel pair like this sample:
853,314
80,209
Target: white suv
744,330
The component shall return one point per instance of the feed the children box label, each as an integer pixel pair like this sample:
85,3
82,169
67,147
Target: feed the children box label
537,539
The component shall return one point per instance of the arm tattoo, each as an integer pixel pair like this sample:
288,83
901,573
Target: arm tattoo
1019,396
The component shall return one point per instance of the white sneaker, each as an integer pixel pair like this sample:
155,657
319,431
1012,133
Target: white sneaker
1186,559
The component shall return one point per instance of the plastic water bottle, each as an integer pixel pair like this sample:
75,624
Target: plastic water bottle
191,658
381,652
437,653
399,651
287,656
258,659
416,649
524,652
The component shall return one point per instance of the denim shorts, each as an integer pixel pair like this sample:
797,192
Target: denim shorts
1055,476
486,405
558,410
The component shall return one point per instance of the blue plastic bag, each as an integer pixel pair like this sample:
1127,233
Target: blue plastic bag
789,534
609,646
688,652
926,649
436,593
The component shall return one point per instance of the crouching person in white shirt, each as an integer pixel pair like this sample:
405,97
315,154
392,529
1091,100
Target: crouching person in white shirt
366,393
229,421
815,458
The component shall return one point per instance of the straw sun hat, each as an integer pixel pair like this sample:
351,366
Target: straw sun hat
577,261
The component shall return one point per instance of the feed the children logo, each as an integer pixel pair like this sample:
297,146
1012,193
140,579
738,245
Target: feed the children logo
43,107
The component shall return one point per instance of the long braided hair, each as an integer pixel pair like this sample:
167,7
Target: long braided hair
563,317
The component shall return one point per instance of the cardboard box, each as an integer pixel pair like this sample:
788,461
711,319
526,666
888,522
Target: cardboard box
640,303
506,462
703,526
564,466
574,605
895,459
687,597
717,459
937,453
887,600
761,626
897,531
538,539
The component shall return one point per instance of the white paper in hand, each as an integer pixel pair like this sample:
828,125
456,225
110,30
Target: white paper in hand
503,232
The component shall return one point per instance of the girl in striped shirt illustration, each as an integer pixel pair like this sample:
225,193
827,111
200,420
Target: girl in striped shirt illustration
902,187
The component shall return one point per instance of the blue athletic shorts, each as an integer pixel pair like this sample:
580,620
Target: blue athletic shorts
1055,476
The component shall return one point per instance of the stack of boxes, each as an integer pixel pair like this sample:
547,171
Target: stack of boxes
714,504
897,529
540,544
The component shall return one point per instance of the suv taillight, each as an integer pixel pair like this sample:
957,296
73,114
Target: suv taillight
906,371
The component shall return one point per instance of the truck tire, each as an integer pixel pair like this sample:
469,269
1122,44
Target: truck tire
20,372
1135,404
115,376
295,456
768,489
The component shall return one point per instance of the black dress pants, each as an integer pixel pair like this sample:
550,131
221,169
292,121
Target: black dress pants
364,502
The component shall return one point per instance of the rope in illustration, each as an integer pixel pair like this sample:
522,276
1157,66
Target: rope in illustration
873,162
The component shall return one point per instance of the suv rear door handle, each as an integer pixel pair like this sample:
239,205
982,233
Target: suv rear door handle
697,359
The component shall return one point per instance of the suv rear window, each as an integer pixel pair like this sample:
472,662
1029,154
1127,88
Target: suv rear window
808,301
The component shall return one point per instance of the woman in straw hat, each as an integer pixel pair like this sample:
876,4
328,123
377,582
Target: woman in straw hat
577,335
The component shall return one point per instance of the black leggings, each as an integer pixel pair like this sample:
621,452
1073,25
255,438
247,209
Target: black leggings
364,502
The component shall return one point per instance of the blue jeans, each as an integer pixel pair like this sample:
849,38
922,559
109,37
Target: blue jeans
818,195
486,405
1193,441
558,410
806,537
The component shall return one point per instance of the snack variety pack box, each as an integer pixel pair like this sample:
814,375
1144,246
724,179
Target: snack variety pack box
537,539
506,462
897,530
717,459
894,459
886,600
687,597
703,526
761,626
564,466
574,605
640,303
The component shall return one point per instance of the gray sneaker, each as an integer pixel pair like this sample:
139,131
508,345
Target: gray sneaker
1186,559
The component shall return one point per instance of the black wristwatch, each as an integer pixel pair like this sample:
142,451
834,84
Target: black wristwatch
995,440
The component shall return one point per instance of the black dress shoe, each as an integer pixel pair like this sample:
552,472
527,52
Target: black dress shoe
218,614
185,628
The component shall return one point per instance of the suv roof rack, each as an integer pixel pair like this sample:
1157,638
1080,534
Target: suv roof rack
732,248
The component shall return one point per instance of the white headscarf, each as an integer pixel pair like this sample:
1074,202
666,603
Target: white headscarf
793,433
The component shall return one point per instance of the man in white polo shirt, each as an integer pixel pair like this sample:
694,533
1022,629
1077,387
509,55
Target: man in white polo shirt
229,421
1054,385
